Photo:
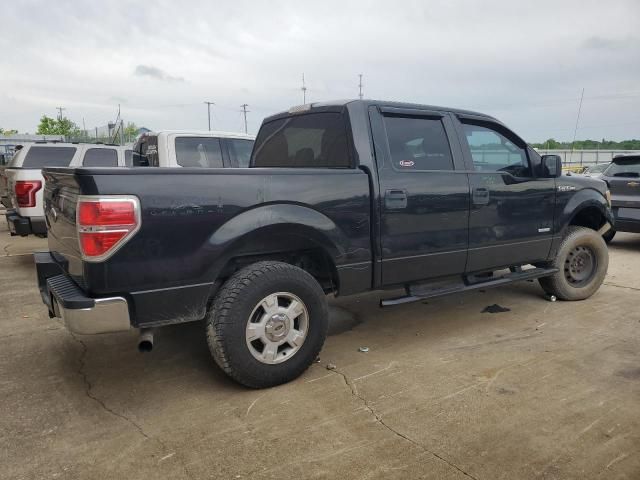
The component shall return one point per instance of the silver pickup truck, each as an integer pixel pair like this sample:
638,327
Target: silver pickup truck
21,185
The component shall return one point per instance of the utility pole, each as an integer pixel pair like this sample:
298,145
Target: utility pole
60,112
209,112
360,87
245,111
304,91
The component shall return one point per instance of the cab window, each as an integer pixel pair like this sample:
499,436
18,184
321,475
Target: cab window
202,152
492,151
313,140
240,151
418,144
38,157
100,157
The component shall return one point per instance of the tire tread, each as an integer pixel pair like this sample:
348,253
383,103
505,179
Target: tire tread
219,316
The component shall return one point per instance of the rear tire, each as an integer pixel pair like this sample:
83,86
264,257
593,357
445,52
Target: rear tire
582,261
607,237
267,324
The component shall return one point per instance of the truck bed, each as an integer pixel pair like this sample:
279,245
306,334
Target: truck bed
193,221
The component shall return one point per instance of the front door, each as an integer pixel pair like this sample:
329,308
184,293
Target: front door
512,206
424,195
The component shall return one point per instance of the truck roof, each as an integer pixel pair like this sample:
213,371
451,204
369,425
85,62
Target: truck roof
203,133
328,105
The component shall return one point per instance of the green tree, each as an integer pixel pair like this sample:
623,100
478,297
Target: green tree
8,132
130,131
59,126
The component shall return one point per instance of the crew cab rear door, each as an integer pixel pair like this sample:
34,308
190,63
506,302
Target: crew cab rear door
424,195
512,206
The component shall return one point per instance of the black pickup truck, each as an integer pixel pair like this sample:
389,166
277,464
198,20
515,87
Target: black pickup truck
341,198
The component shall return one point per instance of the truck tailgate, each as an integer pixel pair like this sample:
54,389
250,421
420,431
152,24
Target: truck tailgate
60,198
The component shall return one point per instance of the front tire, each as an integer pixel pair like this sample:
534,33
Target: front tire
267,324
582,261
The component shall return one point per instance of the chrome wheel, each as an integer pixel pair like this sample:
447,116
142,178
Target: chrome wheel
580,266
277,328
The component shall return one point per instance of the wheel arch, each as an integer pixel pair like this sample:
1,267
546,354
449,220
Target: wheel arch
587,208
290,233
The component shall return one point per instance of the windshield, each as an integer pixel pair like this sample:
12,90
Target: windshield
597,168
621,168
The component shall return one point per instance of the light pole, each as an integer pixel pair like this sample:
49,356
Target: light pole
209,112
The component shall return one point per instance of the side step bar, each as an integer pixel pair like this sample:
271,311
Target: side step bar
415,293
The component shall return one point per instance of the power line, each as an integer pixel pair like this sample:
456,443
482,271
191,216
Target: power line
209,112
245,111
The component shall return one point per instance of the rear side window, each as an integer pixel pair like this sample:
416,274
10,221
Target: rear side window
100,157
199,152
38,157
317,140
418,144
128,158
240,151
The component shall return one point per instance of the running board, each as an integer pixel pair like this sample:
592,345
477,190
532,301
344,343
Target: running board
420,292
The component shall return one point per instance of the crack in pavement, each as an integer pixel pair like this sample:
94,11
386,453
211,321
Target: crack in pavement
88,387
379,419
620,286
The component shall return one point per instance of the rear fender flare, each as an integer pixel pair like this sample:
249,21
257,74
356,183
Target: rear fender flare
280,226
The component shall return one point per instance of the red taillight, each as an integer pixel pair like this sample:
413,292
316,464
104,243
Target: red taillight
26,192
106,213
105,223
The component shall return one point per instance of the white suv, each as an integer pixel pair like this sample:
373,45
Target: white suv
175,148
23,183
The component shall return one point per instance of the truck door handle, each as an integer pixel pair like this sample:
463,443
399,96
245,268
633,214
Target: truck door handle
480,196
395,199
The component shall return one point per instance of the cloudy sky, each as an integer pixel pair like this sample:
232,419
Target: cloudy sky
524,62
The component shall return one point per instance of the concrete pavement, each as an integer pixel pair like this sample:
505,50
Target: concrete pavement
544,390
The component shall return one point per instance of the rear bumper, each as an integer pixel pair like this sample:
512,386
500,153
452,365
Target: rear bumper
23,226
81,314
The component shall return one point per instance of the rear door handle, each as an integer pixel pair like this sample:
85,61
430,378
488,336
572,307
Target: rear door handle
480,196
395,199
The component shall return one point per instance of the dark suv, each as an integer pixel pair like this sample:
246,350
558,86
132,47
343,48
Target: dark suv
623,178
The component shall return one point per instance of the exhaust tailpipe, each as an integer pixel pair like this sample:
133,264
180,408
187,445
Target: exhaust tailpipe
145,342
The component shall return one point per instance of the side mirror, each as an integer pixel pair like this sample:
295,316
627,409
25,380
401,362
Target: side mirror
552,165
